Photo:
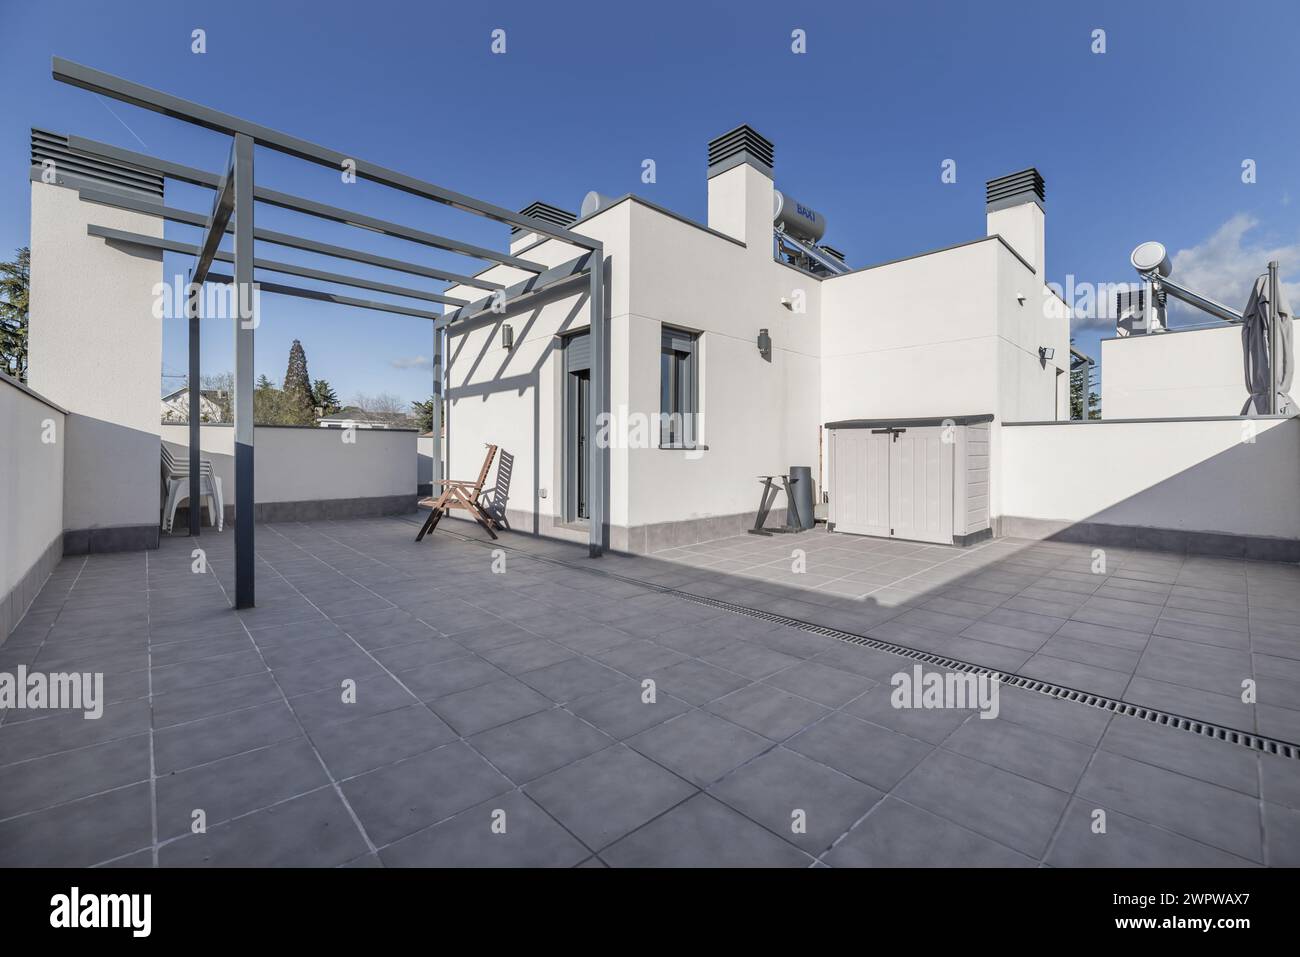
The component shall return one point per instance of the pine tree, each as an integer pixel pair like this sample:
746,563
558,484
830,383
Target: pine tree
15,278
324,398
298,399
424,414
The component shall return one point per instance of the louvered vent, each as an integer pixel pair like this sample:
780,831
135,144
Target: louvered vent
744,144
71,167
1014,189
547,214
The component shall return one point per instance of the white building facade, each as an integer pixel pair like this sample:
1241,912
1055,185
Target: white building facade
759,359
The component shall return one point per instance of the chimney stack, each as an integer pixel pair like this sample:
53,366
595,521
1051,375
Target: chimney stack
1017,210
521,237
741,194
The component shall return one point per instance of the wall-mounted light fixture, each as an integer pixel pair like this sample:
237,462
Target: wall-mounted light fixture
1020,298
764,345
1046,353
507,336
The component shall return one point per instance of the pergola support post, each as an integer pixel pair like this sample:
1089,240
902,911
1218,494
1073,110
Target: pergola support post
196,509
598,460
245,323
438,339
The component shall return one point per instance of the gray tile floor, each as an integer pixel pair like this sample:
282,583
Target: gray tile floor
497,716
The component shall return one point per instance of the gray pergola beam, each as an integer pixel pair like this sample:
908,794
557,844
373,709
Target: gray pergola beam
138,94
321,296
166,168
223,204
521,291
299,204
336,214
185,217
370,259
271,265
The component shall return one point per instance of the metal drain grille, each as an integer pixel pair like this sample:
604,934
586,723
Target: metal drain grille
1168,719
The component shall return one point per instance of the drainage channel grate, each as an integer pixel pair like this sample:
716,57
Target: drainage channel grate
1168,719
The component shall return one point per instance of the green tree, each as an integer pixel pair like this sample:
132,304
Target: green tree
299,403
1083,379
15,284
269,406
424,414
324,399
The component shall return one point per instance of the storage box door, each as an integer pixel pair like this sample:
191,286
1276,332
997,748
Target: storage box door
920,486
859,482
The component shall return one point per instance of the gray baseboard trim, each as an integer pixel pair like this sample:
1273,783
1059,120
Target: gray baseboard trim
313,510
113,538
641,539
332,508
14,604
647,539
1180,541
973,538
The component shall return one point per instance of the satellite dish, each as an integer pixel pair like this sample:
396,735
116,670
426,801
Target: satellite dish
593,203
1151,257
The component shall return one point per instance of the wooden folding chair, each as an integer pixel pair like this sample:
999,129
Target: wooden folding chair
461,494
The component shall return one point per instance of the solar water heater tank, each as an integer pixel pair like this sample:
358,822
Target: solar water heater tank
802,222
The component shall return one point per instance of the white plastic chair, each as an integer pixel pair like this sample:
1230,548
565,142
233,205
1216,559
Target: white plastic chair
177,477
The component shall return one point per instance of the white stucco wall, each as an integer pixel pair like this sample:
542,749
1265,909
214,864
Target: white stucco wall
950,333
96,350
31,483
512,399
1173,374
424,462
1191,475
915,338
943,334
759,417
304,465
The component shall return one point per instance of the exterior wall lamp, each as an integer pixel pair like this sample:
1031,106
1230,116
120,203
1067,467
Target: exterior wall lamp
508,336
764,345
1046,353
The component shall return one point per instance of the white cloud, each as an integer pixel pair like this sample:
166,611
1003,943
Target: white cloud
1224,266
411,362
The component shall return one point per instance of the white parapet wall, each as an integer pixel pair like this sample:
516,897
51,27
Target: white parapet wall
424,466
302,474
1219,485
96,350
31,497
1192,372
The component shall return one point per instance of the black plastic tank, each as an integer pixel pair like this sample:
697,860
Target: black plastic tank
801,491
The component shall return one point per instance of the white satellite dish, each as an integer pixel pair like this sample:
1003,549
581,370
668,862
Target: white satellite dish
593,203
1151,257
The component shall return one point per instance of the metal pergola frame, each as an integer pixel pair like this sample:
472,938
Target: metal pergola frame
234,196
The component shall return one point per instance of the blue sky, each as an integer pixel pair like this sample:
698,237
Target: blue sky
1145,141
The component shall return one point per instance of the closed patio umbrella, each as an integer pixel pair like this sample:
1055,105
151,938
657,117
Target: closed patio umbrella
1255,351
